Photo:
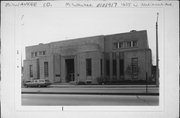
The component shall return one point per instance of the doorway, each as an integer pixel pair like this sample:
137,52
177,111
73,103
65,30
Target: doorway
69,70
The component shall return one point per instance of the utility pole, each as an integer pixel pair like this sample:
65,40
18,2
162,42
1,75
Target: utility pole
157,54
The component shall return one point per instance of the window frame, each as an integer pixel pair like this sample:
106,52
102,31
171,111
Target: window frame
44,52
30,70
88,67
114,64
32,54
135,43
127,44
46,69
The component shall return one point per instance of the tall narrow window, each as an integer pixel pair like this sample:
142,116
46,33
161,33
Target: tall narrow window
116,45
121,66
107,67
35,54
134,44
30,71
88,67
121,44
101,66
46,69
128,44
44,52
134,62
38,67
32,54
114,67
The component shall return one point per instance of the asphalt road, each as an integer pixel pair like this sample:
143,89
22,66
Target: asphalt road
95,100
89,90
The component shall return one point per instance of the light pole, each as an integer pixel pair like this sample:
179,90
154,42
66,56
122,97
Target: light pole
157,54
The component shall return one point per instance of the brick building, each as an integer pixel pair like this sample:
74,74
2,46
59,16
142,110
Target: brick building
123,56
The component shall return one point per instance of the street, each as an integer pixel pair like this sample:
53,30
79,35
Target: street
96,100
90,96
115,91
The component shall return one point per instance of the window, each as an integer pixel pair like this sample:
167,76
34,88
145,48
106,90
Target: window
88,67
120,44
30,71
35,54
38,69
44,52
46,69
121,67
107,67
114,67
134,62
32,54
40,52
134,43
101,66
116,45
128,44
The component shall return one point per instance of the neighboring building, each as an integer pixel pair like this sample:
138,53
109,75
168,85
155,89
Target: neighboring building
124,56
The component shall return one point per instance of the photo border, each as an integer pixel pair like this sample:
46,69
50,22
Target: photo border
19,108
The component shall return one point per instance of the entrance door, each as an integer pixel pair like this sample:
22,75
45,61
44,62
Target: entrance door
69,70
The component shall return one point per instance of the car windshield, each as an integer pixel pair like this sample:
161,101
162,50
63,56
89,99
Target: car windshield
41,80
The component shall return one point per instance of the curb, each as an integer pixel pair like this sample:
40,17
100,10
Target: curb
82,93
106,86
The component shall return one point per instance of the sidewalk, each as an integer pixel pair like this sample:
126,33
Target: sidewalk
100,86
90,91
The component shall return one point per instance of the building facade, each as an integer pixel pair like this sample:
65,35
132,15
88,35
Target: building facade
124,56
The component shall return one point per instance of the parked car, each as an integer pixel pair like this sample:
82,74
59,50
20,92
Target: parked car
37,83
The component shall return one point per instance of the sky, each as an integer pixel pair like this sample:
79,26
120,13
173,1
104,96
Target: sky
34,26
